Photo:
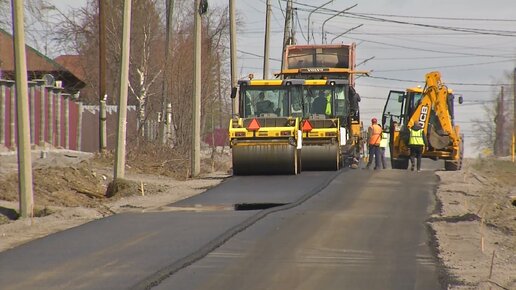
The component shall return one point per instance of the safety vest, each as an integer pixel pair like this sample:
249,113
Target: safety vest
416,137
328,105
376,135
385,140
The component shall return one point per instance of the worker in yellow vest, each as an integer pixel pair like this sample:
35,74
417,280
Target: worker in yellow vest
417,143
383,144
374,137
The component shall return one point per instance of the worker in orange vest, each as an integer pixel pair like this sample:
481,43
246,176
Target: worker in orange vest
374,137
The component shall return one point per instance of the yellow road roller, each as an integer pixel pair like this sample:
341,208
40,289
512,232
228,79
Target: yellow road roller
331,134
265,137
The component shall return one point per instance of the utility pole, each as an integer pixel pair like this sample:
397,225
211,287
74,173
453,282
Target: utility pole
499,121
102,76
233,52
24,151
266,41
165,92
196,103
287,33
124,84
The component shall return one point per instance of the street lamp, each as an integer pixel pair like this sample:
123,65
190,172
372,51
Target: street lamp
323,38
351,29
310,15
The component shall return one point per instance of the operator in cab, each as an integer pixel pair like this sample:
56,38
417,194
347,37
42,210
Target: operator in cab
263,106
322,104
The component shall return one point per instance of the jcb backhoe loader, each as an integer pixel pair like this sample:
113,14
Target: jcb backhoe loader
433,108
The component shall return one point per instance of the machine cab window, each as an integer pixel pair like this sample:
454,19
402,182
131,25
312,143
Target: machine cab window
271,101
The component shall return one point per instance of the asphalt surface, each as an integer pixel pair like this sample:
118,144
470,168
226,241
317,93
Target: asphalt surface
366,230
125,250
353,229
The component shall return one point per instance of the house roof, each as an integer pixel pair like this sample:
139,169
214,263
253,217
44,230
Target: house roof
72,63
37,64
36,61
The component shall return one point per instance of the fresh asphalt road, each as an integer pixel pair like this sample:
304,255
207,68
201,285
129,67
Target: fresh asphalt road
365,230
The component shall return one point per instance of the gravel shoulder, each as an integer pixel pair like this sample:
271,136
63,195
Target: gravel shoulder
475,226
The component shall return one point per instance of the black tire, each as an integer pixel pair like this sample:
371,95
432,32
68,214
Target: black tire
399,163
451,165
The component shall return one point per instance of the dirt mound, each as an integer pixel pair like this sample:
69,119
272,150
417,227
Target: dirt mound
60,186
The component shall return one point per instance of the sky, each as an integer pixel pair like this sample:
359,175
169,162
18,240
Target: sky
471,42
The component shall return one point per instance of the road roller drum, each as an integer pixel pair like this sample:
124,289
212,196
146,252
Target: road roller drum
264,159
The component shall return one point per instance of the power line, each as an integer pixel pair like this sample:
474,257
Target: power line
361,16
428,50
448,83
440,18
441,67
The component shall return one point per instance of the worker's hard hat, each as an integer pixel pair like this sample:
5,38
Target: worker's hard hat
373,120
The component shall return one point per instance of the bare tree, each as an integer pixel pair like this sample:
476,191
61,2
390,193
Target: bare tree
79,31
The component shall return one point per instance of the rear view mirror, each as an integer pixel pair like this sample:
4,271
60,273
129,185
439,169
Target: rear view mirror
400,98
233,92
461,100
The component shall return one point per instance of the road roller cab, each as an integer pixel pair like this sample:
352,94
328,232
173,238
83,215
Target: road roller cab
326,108
265,137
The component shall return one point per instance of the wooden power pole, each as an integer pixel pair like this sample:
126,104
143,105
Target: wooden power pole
233,52
164,98
287,33
124,88
102,75
500,123
22,104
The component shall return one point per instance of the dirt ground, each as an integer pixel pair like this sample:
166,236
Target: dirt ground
474,225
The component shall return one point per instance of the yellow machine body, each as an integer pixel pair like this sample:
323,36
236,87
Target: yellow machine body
264,137
431,107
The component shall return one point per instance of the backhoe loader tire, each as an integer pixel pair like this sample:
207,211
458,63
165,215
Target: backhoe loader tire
451,165
399,163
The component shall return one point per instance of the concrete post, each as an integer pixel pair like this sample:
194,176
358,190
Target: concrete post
66,105
79,126
59,133
12,123
2,112
32,110
24,152
169,123
122,104
50,117
196,103
266,41
42,103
